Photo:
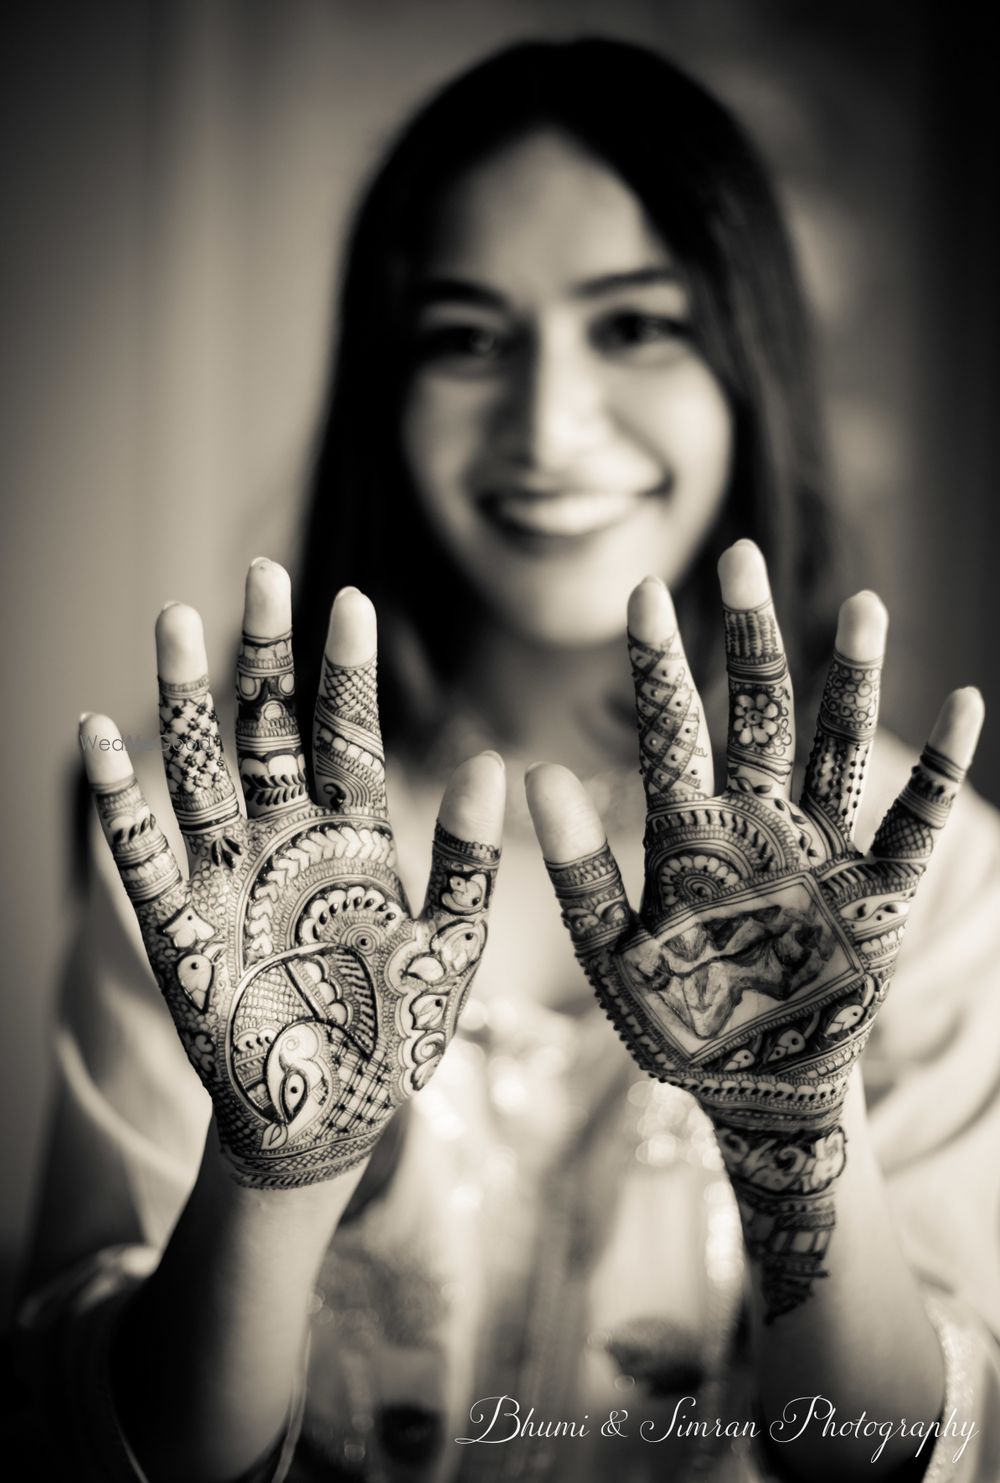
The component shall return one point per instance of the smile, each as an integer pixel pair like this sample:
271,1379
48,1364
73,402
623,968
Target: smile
566,518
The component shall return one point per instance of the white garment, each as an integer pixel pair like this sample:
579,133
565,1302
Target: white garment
549,1202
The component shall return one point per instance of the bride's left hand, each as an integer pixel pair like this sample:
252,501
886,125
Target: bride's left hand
766,940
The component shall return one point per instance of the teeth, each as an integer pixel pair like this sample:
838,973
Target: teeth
565,514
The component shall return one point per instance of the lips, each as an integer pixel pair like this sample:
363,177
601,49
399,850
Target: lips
565,517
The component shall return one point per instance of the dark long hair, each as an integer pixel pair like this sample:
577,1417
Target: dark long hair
706,192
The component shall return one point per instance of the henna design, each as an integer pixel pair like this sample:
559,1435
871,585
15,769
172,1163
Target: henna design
272,763
349,762
907,831
308,999
669,716
592,898
782,1185
145,862
835,773
761,744
462,875
701,972
458,894
201,789
763,950
699,853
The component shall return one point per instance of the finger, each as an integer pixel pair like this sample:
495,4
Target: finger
675,756
467,839
268,745
848,717
908,831
584,872
348,759
145,861
761,748
205,800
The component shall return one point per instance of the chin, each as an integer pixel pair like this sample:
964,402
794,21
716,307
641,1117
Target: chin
569,602
559,624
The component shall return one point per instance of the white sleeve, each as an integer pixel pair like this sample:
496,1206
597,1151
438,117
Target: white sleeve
130,1114
932,1076
125,1140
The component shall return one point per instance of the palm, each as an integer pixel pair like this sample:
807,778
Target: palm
308,997
765,940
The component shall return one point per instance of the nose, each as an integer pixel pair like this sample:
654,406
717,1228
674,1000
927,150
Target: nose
558,412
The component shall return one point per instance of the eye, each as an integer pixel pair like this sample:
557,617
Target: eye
629,330
293,1091
462,349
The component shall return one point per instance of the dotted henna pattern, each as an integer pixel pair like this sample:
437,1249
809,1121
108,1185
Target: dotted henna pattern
309,999
765,941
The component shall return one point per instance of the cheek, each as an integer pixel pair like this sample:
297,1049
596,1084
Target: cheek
444,426
685,418
686,422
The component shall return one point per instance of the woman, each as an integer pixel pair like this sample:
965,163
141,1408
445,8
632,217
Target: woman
571,352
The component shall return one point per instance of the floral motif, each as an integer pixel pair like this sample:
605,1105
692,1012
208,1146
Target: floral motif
759,720
687,877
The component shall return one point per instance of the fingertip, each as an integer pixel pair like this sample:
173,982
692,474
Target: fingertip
743,575
651,615
267,603
862,625
473,804
959,722
105,759
352,636
180,644
566,821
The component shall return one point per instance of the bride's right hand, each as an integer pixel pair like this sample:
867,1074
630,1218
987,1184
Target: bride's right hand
309,999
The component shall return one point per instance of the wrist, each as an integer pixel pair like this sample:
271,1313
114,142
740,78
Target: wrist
759,1128
301,1212
785,1181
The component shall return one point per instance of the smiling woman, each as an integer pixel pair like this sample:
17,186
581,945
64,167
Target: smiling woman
415,1168
564,431
572,350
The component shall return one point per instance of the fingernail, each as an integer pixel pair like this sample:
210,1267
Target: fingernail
261,561
533,768
657,581
173,603
496,757
84,717
347,592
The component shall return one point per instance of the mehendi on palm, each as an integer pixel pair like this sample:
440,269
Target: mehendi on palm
765,941
309,999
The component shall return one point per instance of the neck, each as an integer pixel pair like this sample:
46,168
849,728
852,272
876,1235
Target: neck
558,704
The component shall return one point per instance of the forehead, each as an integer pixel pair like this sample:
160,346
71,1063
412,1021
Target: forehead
538,216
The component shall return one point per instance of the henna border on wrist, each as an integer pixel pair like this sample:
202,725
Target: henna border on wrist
783,1184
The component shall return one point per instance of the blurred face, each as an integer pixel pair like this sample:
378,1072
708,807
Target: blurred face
564,435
